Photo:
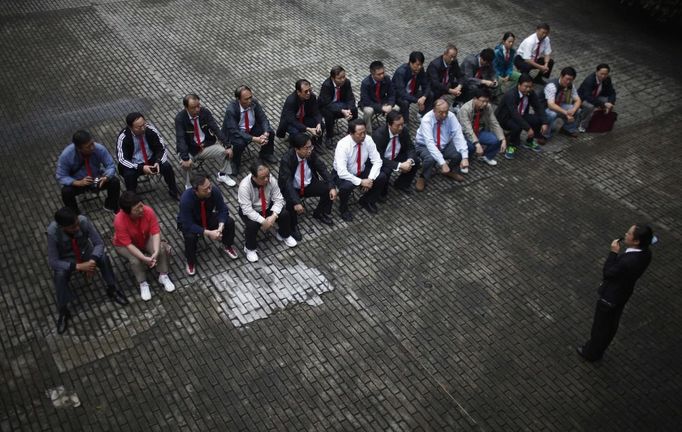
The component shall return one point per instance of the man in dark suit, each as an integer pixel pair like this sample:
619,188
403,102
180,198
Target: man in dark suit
336,101
301,113
596,93
621,271
513,115
445,78
245,122
376,94
303,174
397,152
411,85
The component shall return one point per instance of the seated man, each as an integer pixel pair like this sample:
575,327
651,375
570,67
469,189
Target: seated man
261,204
74,245
596,92
397,152
445,77
245,122
303,174
483,133
352,169
410,85
137,237
336,101
301,113
204,213
83,166
142,151
440,142
478,72
376,94
513,115
533,55
195,136
563,102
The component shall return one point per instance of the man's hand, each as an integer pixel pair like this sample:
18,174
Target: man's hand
86,181
421,102
464,163
531,133
148,170
608,106
445,168
299,209
405,166
102,181
268,222
332,194
151,260
544,129
479,150
457,90
213,234
186,164
366,184
87,266
386,109
348,114
615,246
503,146
229,153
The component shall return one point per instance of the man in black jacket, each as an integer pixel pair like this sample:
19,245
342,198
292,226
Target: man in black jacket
411,85
301,113
445,78
377,95
621,271
141,151
336,101
596,92
397,152
303,174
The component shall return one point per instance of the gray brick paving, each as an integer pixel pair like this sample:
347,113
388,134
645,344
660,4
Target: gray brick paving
455,309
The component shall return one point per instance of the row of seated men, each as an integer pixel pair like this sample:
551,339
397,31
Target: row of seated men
444,143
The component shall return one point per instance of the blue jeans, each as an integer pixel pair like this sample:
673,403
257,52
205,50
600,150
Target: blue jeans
489,142
568,127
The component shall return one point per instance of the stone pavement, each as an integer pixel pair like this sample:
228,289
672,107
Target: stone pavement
455,309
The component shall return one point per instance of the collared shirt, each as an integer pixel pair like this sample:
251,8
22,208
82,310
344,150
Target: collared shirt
129,231
337,90
632,250
252,117
307,174
450,134
523,103
202,137
60,251
552,93
71,165
249,198
137,153
529,47
389,149
346,156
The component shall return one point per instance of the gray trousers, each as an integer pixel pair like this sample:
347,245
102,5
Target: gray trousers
368,112
450,153
140,268
586,111
215,151
62,278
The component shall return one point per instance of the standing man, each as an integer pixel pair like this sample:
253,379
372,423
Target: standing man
261,204
397,152
563,102
376,94
203,213
411,85
485,137
621,271
142,151
195,133
245,123
301,113
533,55
445,77
302,174
336,101
440,142
513,115
74,245
596,92
85,165
357,163
479,72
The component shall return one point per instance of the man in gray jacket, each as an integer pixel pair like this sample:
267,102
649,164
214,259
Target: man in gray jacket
483,133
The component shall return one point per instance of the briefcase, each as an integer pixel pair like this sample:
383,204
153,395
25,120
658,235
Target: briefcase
602,122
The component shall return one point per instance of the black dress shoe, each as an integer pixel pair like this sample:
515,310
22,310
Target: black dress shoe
383,198
324,218
296,234
117,296
347,216
581,352
369,206
63,321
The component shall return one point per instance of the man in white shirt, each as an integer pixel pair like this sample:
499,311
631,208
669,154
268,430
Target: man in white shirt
563,102
357,163
440,142
533,55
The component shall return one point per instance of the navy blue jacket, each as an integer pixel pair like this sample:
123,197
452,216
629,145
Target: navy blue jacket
368,93
189,217
402,77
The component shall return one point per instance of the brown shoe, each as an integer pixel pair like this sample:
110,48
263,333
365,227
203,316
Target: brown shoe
420,185
455,176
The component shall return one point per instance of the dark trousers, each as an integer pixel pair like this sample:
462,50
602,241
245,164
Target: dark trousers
130,177
308,122
404,180
604,327
525,67
515,128
62,277
112,187
238,147
332,112
346,188
251,228
316,188
192,239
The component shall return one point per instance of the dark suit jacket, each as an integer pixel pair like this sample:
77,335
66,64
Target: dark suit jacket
435,75
589,85
290,111
382,140
620,274
327,96
233,115
402,76
184,132
287,169
368,93
125,147
469,67
508,108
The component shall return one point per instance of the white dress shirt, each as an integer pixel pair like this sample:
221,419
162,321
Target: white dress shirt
307,174
389,149
530,45
202,137
346,156
252,117
450,134
249,198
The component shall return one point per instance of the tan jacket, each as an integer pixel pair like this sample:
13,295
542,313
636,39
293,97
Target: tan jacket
465,116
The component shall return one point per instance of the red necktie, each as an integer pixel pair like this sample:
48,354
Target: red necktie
537,50
478,73
197,134
338,94
204,220
301,113
247,126
377,91
76,250
521,105
301,192
413,84
359,159
597,90
438,135
263,204
445,75
560,97
88,170
143,149
477,122
506,56
393,143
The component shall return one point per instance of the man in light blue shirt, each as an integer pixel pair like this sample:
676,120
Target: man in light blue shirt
440,141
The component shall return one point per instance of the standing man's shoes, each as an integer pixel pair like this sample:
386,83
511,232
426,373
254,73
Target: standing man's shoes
63,321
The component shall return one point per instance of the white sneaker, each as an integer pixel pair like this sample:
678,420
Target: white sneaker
581,129
289,241
491,162
464,170
188,186
166,282
251,255
144,291
224,178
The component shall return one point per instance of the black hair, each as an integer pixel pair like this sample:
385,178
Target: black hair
254,168
353,124
81,137
65,216
507,35
188,97
299,84
130,118
603,66
568,70
238,91
524,78
197,180
487,55
375,65
644,234
393,117
335,71
482,92
416,56
543,26
128,200
300,140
